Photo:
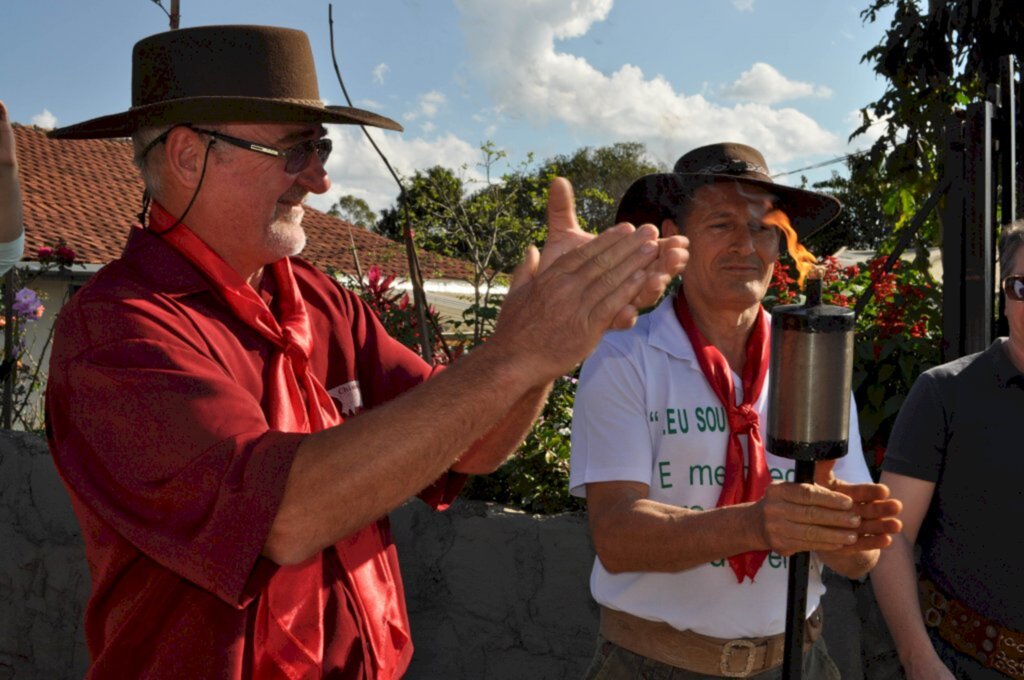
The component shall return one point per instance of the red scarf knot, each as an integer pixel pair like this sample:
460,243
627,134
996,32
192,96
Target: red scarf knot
296,353
743,419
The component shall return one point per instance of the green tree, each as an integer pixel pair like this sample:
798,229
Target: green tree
354,210
480,220
600,176
424,205
935,58
862,224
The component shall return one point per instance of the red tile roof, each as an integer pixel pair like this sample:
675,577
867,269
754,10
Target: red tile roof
88,193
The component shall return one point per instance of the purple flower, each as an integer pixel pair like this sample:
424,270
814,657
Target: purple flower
27,304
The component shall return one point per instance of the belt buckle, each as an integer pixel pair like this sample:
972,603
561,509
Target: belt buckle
728,648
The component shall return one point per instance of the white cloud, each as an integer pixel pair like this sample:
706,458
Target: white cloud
512,47
45,120
765,85
427,105
743,5
861,142
379,71
356,169
431,102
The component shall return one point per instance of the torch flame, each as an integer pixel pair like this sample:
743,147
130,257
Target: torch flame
805,260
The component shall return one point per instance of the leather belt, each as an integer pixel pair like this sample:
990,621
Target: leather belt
970,633
698,653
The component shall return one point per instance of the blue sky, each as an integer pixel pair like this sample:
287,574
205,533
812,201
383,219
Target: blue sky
540,76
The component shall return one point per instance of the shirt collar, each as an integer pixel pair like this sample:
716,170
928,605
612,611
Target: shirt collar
160,266
666,333
164,269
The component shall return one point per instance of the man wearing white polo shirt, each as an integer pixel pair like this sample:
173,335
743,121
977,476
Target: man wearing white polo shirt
691,518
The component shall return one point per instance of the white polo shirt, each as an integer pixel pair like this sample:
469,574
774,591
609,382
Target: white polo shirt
645,413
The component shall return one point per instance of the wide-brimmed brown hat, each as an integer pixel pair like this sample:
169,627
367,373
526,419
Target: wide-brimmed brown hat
220,74
652,198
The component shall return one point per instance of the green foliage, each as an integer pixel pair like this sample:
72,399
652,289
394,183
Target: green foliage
935,58
487,222
536,478
426,204
600,177
862,224
354,210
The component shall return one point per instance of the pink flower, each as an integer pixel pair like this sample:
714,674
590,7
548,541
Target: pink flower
44,252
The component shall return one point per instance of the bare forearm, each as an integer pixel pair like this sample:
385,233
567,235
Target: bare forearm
633,533
346,477
895,584
490,451
11,219
652,536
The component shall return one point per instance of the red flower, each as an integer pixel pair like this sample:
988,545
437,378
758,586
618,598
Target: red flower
44,253
65,255
782,283
841,300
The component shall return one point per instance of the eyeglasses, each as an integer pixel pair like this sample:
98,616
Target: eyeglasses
296,157
1013,286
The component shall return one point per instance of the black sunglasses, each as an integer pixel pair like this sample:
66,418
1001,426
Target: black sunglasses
296,157
1013,286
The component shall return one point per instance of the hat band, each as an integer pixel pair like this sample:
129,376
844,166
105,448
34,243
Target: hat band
283,100
735,167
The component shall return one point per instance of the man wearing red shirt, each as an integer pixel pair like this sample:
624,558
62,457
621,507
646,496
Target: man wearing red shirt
234,428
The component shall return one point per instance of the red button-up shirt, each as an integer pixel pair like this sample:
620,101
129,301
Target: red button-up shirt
156,403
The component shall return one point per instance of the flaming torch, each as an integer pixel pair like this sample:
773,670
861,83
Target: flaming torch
808,405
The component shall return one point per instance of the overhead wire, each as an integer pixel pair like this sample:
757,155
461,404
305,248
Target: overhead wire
415,273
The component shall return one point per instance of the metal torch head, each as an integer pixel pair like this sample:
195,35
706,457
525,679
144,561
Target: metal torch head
811,373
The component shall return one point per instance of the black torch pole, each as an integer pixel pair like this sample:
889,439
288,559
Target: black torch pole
808,419
796,605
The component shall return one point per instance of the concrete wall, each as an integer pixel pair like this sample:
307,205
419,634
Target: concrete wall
493,593
44,581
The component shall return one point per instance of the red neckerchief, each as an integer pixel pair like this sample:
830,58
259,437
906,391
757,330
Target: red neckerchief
743,419
289,634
